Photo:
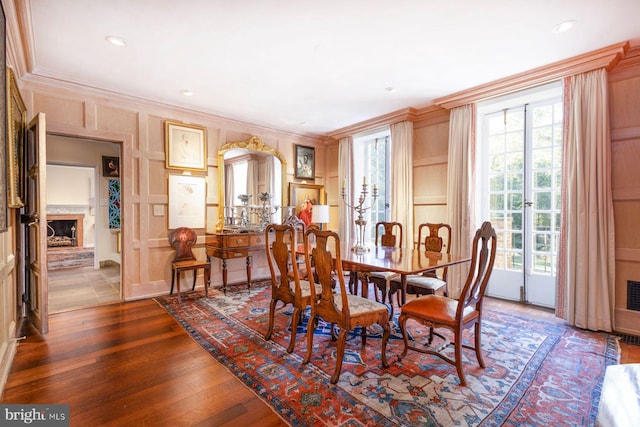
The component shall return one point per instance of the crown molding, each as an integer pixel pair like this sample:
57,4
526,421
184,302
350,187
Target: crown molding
606,57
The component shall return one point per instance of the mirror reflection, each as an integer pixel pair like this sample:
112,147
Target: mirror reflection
254,176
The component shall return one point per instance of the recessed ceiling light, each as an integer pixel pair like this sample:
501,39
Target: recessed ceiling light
391,90
564,26
115,40
187,92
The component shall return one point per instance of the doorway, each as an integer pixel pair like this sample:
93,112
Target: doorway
83,251
521,157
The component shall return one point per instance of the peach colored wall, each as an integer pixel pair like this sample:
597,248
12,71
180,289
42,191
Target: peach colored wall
624,106
139,126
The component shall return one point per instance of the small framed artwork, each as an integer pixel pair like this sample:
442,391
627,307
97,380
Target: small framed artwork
187,201
111,167
15,134
303,197
185,146
305,162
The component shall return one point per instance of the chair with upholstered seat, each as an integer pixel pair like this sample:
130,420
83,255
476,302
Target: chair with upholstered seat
391,236
438,311
182,240
438,240
286,283
341,309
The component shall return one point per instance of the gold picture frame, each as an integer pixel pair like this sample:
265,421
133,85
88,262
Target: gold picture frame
16,122
305,167
185,146
299,193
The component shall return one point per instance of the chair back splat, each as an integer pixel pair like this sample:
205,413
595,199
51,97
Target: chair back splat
342,309
437,311
182,240
287,286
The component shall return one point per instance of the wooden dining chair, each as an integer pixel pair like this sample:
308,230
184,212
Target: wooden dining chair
182,240
391,236
438,239
286,283
341,309
438,311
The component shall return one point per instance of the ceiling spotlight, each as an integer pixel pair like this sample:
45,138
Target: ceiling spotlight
116,41
187,92
391,90
564,26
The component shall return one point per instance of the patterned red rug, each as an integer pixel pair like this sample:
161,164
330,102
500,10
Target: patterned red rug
538,373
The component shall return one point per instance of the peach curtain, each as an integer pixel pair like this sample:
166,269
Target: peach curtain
228,186
346,228
586,270
460,184
252,181
402,179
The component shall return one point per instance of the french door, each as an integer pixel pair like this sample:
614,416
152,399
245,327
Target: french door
522,155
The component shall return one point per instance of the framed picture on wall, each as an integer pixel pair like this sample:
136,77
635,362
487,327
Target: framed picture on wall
16,124
305,162
185,146
187,201
303,197
3,124
111,167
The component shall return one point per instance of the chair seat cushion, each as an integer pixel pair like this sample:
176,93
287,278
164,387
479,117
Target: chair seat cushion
419,281
384,275
305,288
189,263
359,305
436,308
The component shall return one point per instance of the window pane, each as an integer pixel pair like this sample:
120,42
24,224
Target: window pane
542,137
514,261
515,141
515,120
496,183
496,202
542,180
542,222
514,182
515,220
514,201
515,162
497,220
497,163
542,263
496,144
496,124
542,200
542,115
541,158
516,240
542,242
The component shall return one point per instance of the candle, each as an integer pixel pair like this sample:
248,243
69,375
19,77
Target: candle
344,183
364,180
375,187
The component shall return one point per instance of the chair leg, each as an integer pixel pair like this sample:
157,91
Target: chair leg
173,278
272,313
402,321
178,273
195,276
385,337
477,331
207,281
458,356
295,321
342,340
311,327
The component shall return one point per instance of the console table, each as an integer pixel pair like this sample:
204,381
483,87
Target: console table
234,245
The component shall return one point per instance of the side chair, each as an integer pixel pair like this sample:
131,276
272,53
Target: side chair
286,284
182,240
340,308
390,237
438,311
437,240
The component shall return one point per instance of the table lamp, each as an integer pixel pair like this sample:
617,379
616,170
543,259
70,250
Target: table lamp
320,215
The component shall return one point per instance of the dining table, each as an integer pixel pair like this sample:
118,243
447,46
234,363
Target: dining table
404,261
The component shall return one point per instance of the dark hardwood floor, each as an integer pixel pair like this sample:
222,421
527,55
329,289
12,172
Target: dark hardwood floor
131,364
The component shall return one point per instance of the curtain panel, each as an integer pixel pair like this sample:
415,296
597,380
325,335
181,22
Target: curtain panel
402,178
460,185
586,267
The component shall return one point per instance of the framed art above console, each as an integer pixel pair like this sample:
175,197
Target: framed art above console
185,146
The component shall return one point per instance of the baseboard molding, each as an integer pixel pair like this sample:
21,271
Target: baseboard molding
7,353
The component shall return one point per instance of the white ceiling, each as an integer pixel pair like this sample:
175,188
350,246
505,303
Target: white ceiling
311,66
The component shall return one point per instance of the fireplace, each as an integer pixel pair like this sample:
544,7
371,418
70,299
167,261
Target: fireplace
64,230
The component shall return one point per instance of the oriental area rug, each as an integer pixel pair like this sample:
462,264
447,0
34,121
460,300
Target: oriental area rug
537,373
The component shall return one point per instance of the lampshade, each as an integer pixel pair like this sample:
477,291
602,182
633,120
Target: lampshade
320,214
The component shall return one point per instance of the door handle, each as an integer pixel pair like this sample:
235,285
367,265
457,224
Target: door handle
528,204
30,220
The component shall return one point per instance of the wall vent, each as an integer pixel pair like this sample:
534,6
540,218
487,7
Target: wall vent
633,295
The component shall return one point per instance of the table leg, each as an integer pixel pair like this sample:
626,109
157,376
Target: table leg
224,275
403,288
249,272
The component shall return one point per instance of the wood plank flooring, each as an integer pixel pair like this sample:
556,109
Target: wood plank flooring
132,364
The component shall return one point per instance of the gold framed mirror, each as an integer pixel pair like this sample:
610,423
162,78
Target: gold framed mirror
253,148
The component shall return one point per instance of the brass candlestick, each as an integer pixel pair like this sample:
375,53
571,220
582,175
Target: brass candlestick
361,223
